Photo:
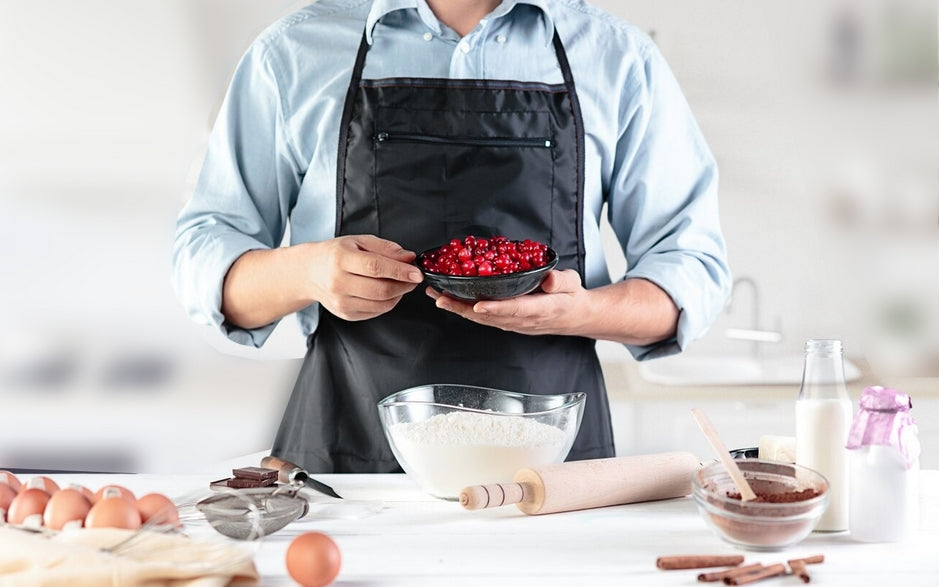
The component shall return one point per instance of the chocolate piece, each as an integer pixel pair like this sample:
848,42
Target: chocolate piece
220,483
242,483
259,473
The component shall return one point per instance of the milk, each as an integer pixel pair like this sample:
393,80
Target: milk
884,495
821,434
883,448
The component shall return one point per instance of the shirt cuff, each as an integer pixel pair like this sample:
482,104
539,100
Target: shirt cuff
215,260
698,291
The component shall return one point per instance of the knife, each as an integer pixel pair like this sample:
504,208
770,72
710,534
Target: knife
288,472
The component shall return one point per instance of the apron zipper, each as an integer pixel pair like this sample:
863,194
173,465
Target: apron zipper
539,142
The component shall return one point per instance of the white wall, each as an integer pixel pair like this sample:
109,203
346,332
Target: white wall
104,109
827,156
828,197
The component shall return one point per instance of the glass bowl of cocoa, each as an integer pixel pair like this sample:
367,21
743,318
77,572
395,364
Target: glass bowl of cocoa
790,499
487,268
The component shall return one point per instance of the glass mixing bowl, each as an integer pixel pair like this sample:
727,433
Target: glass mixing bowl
447,437
791,499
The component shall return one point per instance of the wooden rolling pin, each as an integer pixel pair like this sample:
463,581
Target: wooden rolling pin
594,483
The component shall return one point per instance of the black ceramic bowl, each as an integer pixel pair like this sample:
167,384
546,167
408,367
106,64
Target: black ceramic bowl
488,287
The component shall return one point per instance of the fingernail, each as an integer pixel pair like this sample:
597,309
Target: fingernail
416,276
480,310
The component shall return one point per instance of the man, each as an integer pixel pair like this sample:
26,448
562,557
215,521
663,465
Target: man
377,129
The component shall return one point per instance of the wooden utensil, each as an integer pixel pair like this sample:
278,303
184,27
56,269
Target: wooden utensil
746,492
594,483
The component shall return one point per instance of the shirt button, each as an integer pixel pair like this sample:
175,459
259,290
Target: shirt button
464,47
500,38
428,36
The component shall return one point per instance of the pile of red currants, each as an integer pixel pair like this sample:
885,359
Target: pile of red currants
495,255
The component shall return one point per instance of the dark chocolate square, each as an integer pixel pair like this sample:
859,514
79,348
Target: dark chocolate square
259,473
242,483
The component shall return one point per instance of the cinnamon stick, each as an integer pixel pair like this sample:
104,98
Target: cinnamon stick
727,573
698,561
764,573
798,569
810,560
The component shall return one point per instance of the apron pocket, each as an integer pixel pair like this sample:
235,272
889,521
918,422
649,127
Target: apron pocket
437,181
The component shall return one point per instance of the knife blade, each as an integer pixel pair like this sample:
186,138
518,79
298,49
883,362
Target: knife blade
288,472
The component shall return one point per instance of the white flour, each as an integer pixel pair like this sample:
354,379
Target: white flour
451,451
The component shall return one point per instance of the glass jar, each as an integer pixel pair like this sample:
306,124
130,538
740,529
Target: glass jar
884,453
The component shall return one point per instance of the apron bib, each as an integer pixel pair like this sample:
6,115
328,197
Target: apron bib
422,161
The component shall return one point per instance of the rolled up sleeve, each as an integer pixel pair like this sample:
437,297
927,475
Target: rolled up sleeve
248,183
663,204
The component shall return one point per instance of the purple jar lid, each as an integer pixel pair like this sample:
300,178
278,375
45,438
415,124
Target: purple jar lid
884,419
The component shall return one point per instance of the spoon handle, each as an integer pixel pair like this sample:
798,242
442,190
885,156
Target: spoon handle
746,492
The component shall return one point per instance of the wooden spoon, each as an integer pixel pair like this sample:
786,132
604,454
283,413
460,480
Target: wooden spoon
746,493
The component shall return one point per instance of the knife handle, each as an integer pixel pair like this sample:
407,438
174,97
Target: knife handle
287,472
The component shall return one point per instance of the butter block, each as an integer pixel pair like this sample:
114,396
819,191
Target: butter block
778,448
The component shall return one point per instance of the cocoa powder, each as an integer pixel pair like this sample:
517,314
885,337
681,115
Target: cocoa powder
762,531
783,497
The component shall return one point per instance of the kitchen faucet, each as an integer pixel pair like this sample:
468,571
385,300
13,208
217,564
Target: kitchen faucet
754,333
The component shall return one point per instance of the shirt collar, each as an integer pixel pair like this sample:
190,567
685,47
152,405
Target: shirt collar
382,7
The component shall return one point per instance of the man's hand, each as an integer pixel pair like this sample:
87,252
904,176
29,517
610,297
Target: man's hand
553,310
360,277
633,311
354,277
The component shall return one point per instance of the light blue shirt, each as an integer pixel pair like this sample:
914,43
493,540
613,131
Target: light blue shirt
271,158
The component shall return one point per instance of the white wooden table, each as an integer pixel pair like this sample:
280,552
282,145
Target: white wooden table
416,540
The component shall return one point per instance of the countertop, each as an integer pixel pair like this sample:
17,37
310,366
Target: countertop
417,540
624,382
650,417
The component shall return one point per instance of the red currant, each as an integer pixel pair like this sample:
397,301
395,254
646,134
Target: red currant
496,255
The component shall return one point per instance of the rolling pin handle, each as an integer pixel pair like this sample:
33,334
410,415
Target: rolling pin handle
478,497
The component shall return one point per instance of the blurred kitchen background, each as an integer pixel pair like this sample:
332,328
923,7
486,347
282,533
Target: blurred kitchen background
821,113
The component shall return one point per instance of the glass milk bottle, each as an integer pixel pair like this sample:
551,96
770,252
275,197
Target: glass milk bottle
823,418
883,464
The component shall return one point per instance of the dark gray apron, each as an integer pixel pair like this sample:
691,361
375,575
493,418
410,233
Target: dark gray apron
422,161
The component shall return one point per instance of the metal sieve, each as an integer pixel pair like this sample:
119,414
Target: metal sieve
249,514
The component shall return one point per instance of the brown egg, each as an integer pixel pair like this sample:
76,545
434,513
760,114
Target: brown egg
158,508
11,480
89,494
66,507
42,482
313,559
27,507
7,493
114,490
113,512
